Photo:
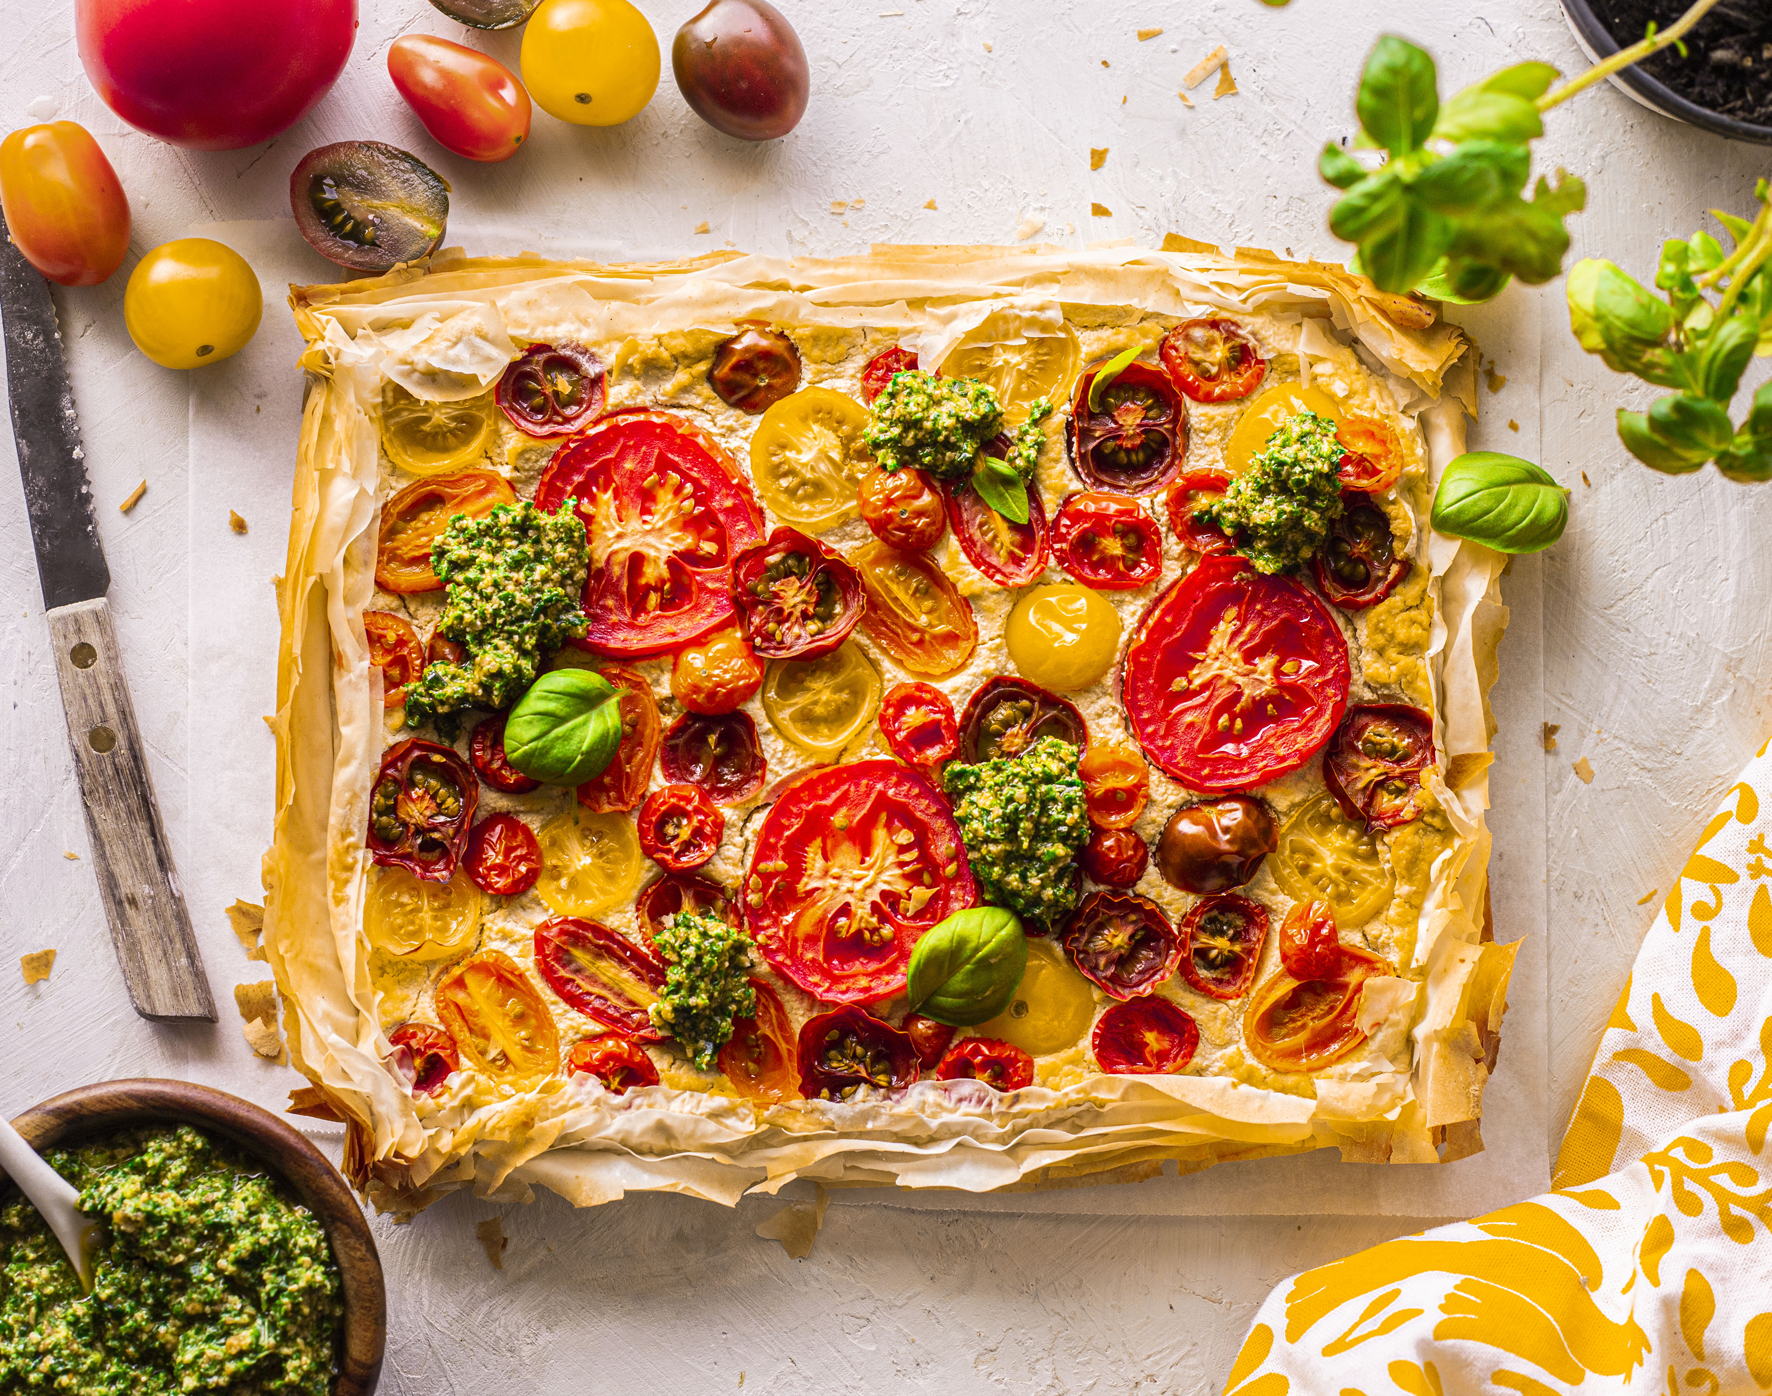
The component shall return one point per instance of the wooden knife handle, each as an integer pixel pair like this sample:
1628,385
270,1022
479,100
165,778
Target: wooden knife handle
150,926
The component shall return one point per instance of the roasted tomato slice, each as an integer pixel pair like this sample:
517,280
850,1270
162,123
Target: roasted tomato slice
1136,442
998,1064
719,756
1234,679
618,1062
929,1037
914,613
1212,359
395,649
1186,498
796,599
440,649
665,511
716,674
1374,764
421,808
1307,1015
1358,566
918,723
499,1021
843,1051
1122,942
504,857
1148,1037
1107,541
1310,941
1115,857
880,369
424,1056
552,389
622,783
904,508
761,1058
852,865
679,828
486,749
1221,941
755,369
674,892
1006,716
1116,785
412,519
1008,554
1216,845
1374,457
605,976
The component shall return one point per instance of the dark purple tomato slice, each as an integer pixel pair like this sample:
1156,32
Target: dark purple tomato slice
1122,942
368,206
1358,566
843,1051
1134,441
552,389
1374,762
1008,715
796,599
719,756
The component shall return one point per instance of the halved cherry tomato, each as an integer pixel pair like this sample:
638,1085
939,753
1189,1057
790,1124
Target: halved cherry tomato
918,723
424,1056
1116,785
421,808
1052,1007
622,783
675,892
1374,459
796,599
1008,554
1233,678
822,706
472,104
852,866
1306,1016
1221,941
880,369
1136,443
929,1037
998,1064
618,1062
421,921
1187,497
486,749
1319,852
1115,857
842,1052
395,649
665,511
1149,1037
1216,845
761,1058
1212,359
504,857
1005,716
808,458
904,508
590,862
430,439
1267,412
1358,566
552,389
1107,541
717,674
914,612
440,649
679,828
499,1021
605,976
1122,942
412,520
65,207
755,369
720,756
1374,764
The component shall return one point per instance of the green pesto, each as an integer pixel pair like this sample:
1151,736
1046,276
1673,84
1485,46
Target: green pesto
1023,822
1030,439
923,422
1282,506
514,580
707,984
207,1277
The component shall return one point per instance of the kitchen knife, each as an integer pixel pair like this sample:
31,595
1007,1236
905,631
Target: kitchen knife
150,927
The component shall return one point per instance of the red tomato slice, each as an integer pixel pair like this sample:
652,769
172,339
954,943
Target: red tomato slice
1147,1037
424,1056
552,390
619,1063
1358,566
665,511
842,1052
1136,441
761,1059
421,808
719,756
674,892
852,865
412,519
1234,679
504,856
1374,459
605,976
880,369
395,649
1374,765
1008,554
918,723
1000,1065
486,749
1222,937
1006,716
621,785
914,612
1114,857
1212,359
1310,941
679,828
1186,497
1107,541
1122,942
796,599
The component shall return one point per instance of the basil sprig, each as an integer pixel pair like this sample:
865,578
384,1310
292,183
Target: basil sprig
566,728
966,969
1501,501
1000,485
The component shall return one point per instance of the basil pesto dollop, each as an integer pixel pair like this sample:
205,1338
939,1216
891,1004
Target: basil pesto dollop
514,579
707,983
1281,507
1023,822
922,422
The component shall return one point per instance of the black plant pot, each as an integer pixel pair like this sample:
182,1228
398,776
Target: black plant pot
1597,40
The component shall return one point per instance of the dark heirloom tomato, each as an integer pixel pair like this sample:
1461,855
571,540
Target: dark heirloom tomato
998,1064
1106,541
1116,785
740,66
719,756
881,367
1217,844
1307,1015
421,808
1234,679
1212,359
367,205
552,389
1186,497
1358,566
622,784
1008,554
607,977
1115,857
914,613
1221,941
665,511
674,892
424,1056
1122,942
904,508
929,1037
1006,716
619,1063
852,865
1374,764
412,519
755,369
1374,458
679,828
395,649
504,856
717,673
761,1056
848,1049
486,749
1150,1037
796,599
918,723
1136,442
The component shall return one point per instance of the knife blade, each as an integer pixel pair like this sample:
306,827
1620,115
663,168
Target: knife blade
144,906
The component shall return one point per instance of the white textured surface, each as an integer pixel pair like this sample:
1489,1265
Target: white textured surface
1652,609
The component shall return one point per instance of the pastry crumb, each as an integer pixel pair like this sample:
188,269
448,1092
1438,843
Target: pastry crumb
71,856
987,46
258,1006
1186,100
1104,63
1100,211
1548,736
1496,381
796,1225
37,965
1512,425
703,228
1029,225
1584,480
1227,85
1204,68
1146,35
235,522
1584,771
930,204
1648,896
1097,157
492,1236
839,205
248,922
857,203
135,498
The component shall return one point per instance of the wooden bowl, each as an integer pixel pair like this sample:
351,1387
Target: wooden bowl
111,1105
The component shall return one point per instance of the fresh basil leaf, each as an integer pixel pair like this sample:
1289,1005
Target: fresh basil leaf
1641,442
1501,501
1339,168
1000,486
1756,431
1528,80
1464,283
1479,114
1673,273
1111,370
566,728
1726,354
1751,468
1399,256
1707,253
1399,97
1375,203
1691,424
1477,173
965,970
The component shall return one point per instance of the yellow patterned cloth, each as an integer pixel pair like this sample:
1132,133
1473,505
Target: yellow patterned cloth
1656,1277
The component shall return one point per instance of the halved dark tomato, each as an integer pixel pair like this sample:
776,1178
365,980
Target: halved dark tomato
880,369
918,723
852,865
1122,942
1005,716
552,389
1374,458
914,613
929,1037
1116,785
421,808
1221,941
1358,566
1148,1037
665,511
1306,1016
1187,497
1212,359
1115,857
720,756
796,599
486,749
1374,764
1233,678
674,892
842,1052
604,975
1008,554
679,828
761,1058
999,1065
904,508
1136,442
504,856
618,1062
412,519
1107,541
395,649
622,784
755,369
424,1056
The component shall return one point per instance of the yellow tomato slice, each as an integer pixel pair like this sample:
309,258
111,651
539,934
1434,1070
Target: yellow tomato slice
1267,413
1052,1007
433,438
499,1020
807,458
1322,854
589,862
421,920
822,705
1040,366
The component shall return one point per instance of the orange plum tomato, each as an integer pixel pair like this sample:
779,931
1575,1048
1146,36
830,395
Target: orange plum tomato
472,104
65,208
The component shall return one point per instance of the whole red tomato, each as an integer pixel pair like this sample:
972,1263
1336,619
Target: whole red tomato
65,208
213,74
471,104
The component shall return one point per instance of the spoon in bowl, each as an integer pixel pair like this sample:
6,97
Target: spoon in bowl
53,1196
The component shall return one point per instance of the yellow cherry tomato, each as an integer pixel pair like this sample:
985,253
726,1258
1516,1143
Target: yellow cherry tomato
434,438
808,459
499,1020
192,302
590,62
1020,369
589,862
1052,1008
1267,413
822,705
421,920
1321,854
1063,637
